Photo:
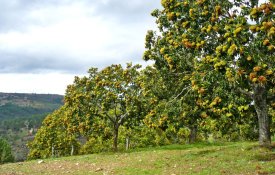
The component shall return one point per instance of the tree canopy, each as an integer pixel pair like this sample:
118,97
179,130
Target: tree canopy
230,38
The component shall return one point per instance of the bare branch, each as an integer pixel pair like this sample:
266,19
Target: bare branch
178,95
122,118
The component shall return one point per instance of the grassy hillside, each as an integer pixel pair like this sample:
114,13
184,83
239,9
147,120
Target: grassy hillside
230,158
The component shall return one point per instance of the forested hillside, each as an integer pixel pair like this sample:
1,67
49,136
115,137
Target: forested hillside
16,108
13,105
21,115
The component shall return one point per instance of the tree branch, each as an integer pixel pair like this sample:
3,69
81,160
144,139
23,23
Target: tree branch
109,117
115,109
179,94
246,93
121,119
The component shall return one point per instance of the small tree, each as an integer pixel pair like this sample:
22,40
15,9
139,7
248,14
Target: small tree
5,152
53,139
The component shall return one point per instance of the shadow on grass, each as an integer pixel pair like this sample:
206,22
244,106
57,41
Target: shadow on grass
205,152
181,146
265,156
263,153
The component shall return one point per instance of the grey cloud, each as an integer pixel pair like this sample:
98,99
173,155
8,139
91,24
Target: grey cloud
11,15
14,16
14,13
125,10
23,63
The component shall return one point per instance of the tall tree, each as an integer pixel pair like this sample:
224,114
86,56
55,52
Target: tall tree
111,94
175,66
231,38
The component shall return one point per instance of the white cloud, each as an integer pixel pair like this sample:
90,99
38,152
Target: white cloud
75,32
41,39
35,83
72,35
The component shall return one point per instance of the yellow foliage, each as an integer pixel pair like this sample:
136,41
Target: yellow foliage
232,49
271,47
162,50
262,79
253,28
238,30
253,12
257,68
268,72
227,34
265,42
254,80
249,58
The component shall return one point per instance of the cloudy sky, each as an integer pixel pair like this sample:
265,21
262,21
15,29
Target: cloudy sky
45,43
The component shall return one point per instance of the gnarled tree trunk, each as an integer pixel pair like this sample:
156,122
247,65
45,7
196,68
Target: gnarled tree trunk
260,98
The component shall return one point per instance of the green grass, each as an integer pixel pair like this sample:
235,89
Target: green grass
201,158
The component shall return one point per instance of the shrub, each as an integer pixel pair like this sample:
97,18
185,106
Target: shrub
5,152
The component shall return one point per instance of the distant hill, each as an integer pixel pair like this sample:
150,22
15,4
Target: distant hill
14,105
21,115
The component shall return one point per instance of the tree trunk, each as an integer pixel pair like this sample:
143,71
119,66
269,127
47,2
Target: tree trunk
259,97
127,143
52,151
72,150
116,127
193,134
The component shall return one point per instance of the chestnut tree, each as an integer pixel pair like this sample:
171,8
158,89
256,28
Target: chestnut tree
232,38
